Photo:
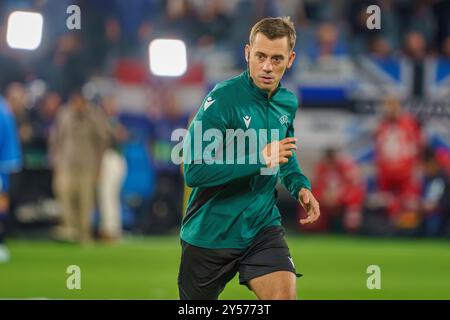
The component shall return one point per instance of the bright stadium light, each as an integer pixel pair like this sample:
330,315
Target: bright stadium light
24,30
167,57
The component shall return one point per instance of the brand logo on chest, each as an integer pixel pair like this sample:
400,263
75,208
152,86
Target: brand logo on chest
247,120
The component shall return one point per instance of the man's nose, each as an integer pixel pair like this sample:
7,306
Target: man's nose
267,66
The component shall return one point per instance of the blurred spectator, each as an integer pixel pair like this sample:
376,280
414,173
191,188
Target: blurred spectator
380,48
435,196
416,50
422,20
64,67
213,23
31,187
168,199
9,162
77,145
340,189
178,20
34,128
139,184
112,174
132,23
415,46
390,23
44,116
42,119
327,42
17,99
398,142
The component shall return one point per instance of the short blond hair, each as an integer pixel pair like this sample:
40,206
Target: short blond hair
275,28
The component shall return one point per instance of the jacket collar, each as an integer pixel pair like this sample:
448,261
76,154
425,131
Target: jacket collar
260,93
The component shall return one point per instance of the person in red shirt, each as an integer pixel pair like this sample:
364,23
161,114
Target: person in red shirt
339,186
398,141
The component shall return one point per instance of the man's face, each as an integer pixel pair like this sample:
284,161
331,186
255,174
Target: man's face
77,102
392,108
267,60
17,98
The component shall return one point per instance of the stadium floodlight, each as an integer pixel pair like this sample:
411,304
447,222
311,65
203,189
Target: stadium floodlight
167,57
24,30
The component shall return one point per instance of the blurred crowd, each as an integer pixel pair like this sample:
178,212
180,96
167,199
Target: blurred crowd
113,29
410,194
78,152
106,168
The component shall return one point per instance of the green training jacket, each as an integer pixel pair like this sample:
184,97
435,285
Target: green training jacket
231,203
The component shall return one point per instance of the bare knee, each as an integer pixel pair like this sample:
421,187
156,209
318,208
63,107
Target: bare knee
280,285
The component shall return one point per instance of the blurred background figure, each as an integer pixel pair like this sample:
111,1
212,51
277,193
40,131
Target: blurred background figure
380,48
398,141
10,161
77,145
31,187
112,174
212,23
416,50
66,66
327,42
167,204
340,189
16,98
42,119
435,196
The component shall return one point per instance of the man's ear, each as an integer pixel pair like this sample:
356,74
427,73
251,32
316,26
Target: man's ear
291,59
247,52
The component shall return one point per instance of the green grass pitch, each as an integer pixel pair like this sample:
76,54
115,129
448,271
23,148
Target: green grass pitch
146,268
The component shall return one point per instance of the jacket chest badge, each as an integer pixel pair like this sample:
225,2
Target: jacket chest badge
284,119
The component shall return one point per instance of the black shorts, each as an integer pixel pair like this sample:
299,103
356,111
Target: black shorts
204,272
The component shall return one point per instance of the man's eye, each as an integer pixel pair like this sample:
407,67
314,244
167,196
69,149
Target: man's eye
276,60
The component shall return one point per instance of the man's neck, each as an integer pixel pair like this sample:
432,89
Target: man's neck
271,92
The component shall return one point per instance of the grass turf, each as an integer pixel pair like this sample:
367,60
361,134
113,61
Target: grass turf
146,268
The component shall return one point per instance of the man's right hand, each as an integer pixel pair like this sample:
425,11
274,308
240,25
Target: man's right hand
279,152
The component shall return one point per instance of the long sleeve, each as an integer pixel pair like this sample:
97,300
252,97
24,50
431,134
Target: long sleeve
291,175
200,167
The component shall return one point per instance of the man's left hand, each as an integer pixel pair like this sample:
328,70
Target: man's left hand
310,204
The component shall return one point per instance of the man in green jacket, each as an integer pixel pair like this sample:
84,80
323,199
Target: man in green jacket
232,223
